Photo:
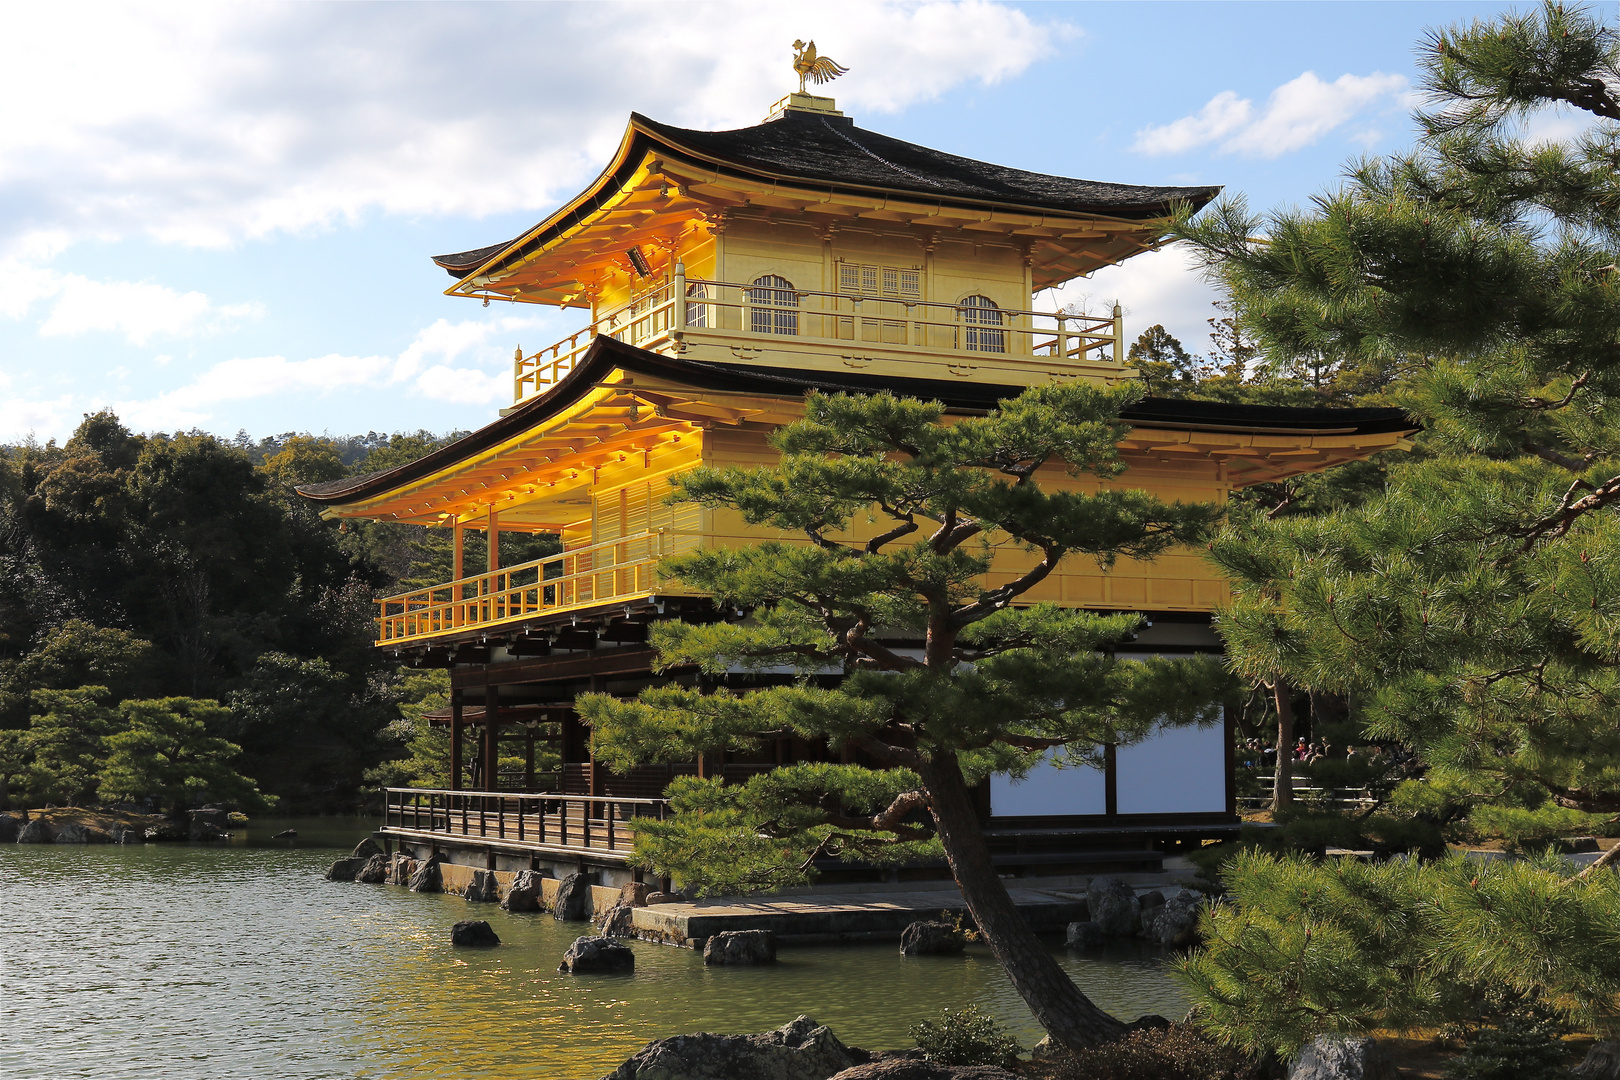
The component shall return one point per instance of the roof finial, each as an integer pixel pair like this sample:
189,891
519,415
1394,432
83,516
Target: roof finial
818,69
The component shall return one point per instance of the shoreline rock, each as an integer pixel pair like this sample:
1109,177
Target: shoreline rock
573,900
526,893
798,1050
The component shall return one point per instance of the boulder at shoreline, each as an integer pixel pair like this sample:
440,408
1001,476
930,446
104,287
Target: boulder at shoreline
798,1050
735,948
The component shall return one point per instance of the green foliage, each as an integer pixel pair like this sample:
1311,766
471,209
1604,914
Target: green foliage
1301,948
64,745
965,1037
766,832
1523,1045
1472,604
1167,368
72,655
165,752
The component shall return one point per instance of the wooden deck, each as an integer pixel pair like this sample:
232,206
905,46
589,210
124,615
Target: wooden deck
551,825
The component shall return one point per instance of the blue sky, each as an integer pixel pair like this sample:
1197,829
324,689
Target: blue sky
220,216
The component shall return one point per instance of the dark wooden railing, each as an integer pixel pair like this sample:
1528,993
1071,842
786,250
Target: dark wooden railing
580,822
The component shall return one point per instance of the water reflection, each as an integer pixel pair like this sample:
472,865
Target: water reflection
195,961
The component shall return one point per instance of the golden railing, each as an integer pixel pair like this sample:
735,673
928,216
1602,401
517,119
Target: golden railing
653,319
583,576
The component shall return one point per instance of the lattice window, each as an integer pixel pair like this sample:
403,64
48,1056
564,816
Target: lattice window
775,306
979,313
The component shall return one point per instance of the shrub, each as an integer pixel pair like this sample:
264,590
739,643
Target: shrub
1521,1044
1174,1053
965,1037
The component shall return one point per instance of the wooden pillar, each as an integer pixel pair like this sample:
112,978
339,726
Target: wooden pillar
492,730
1110,780
528,760
590,751
458,571
455,740
494,545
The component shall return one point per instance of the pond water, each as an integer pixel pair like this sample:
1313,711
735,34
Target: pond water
195,962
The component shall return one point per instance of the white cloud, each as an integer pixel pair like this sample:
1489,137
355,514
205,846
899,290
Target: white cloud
463,363
1297,114
138,310
1220,117
208,124
1163,287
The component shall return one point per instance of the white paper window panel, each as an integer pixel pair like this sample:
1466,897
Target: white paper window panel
1047,789
1177,771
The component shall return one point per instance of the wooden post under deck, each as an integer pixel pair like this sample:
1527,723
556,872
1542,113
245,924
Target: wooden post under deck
492,730
528,761
455,728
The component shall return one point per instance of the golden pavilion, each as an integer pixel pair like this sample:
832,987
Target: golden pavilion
725,274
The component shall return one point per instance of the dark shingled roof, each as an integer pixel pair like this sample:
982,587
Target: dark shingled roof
833,150
821,149
606,354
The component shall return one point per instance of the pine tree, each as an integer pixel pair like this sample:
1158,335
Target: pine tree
1476,602
907,654
1168,369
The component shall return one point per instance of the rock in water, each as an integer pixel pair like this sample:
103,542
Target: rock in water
10,826
365,849
1176,921
1086,935
525,893
931,939
345,869
400,869
1150,899
473,932
739,947
169,830
906,1069
374,872
573,903
483,888
618,921
123,834
799,1050
591,954
427,877
1113,906
1332,1057
37,831
82,834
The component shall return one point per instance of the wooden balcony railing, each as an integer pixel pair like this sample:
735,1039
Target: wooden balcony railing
573,822
581,577
654,320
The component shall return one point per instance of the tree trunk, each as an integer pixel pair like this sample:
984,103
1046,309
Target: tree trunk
1282,794
1059,1006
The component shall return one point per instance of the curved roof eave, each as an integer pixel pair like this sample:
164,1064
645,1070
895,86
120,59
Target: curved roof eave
607,354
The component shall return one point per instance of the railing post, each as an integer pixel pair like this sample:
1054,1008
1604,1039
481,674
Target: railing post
1119,335
679,287
517,376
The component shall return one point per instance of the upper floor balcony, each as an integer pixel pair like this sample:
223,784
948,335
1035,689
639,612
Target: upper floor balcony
883,319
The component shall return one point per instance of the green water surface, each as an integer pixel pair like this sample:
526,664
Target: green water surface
199,961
